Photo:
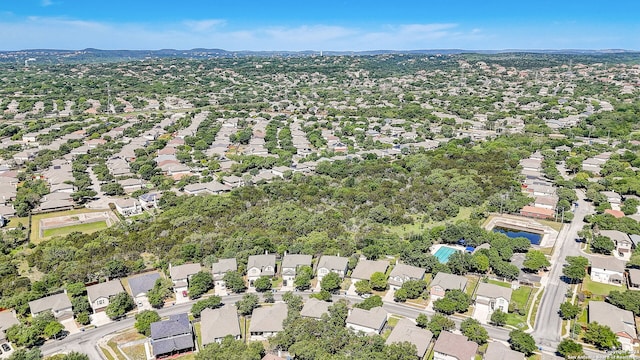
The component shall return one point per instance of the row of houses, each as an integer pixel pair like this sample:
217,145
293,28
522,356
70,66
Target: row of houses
537,186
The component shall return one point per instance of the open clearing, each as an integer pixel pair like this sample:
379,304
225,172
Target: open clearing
60,223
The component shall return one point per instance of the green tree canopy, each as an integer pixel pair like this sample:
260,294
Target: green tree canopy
144,320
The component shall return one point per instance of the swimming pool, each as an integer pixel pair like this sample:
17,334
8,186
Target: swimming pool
443,253
533,237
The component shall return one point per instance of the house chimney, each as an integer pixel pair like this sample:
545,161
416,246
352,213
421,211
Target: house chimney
266,252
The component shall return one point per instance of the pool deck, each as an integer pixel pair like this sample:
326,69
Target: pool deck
436,247
549,235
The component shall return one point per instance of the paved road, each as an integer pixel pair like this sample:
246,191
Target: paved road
547,331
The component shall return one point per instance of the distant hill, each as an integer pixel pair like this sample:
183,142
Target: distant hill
53,56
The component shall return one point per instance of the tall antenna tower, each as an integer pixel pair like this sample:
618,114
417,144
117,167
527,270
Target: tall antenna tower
108,98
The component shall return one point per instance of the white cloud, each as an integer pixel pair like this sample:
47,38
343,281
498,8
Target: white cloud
64,33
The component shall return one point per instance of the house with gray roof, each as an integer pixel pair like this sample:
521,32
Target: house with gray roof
181,274
267,321
634,279
406,330
140,285
489,298
220,268
499,351
451,346
403,272
621,322
218,323
290,265
7,319
366,268
172,336
260,265
58,304
100,294
328,263
314,308
444,282
368,321
607,270
623,242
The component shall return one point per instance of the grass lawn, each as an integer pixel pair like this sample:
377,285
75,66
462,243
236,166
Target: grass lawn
244,326
35,221
499,283
597,288
197,328
83,228
536,305
547,250
135,352
13,222
517,321
418,226
520,297
472,283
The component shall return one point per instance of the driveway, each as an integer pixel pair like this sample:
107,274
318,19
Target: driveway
70,326
100,319
481,313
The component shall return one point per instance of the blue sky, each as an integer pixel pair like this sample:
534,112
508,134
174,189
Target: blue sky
319,25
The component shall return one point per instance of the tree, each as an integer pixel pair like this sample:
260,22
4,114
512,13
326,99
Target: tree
119,305
499,318
323,295
160,292
570,349
453,301
522,342
262,284
212,302
231,348
112,189
568,310
24,354
413,288
440,323
247,304
370,303
234,282
601,336
627,300
53,329
363,287
200,283
144,320
294,302
400,351
331,282
535,260
268,298
422,320
602,245
303,278
576,268
23,335
472,329
400,295
378,281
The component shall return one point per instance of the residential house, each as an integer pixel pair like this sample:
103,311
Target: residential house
498,351
450,346
131,185
336,264
149,200
7,319
634,279
402,273
58,304
489,298
607,270
172,336
233,181
444,282
218,323
260,265
546,202
621,322
220,268
366,268
212,187
622,241
128,207
612,197
368,321
531,164
314,308
181,274
100,294
280,170
406,330
140,286
267,321
537,212
290,265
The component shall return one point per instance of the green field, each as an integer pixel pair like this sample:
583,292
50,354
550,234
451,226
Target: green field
597,288
35,221
83,228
